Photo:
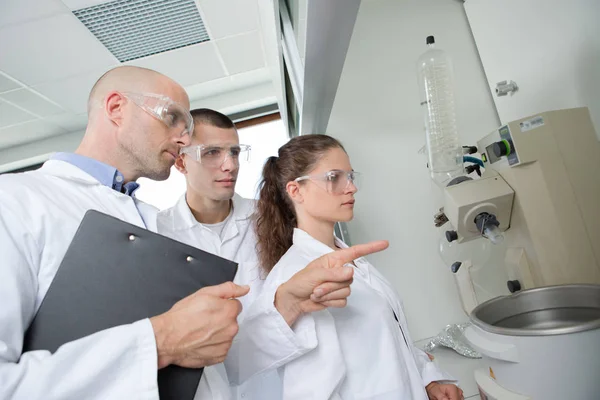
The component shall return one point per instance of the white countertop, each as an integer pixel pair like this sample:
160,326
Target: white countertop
462,368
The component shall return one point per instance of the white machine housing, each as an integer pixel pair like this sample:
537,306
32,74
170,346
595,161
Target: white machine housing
553,171
464,201
551,163
554,235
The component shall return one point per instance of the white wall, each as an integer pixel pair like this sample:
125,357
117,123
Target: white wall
552,52
376,115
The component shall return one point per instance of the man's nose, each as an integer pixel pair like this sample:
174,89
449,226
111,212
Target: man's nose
184,140
228,163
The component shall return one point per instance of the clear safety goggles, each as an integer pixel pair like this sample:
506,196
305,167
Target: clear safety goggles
213,156
335,181
173,114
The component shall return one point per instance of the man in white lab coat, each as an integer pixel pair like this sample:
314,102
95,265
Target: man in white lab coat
138,121
212,217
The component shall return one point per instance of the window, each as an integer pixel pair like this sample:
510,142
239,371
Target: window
265,139
162,194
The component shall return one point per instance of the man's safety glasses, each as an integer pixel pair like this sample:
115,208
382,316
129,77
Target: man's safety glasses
335,181
173,114
213,156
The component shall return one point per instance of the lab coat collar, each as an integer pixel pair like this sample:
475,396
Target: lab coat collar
242,210
315,249
65,170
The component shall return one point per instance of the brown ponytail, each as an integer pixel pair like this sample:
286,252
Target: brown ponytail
275,217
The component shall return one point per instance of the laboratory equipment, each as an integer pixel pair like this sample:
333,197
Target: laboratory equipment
541,343
540,197
445,154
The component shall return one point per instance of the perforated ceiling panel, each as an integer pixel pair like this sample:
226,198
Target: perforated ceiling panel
133,29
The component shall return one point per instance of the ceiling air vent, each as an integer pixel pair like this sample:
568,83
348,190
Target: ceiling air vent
132,29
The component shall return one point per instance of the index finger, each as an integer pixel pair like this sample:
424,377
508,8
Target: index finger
227,290
341,257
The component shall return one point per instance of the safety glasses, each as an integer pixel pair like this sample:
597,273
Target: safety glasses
213,156
173,114
335,181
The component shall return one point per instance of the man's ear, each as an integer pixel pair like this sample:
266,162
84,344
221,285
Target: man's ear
180,164
114,107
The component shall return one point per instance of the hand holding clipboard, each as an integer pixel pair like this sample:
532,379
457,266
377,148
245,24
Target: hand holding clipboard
115,273
181,336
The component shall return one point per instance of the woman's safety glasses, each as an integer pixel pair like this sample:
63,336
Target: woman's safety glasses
335,181
173,114
213,156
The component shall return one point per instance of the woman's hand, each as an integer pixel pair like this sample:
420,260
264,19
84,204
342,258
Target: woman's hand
325,282
443,391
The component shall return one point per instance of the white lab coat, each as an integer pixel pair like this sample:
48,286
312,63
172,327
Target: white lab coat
362,351
239,245
39,214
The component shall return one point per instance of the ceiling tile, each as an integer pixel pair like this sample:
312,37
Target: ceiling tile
79,4
208,89
69,121
10,115
251,78
32,102
71,93
229,17
7,84
28,132
188,65
242,53
50,49
230,84
19,11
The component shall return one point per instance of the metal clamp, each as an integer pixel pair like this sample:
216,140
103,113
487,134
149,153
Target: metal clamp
505,87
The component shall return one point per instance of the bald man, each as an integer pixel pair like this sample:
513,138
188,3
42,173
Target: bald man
138,120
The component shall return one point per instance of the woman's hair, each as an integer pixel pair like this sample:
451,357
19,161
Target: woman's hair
275,218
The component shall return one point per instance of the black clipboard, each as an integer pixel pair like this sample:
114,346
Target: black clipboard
115,273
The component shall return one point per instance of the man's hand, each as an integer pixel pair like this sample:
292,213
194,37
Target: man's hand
442,391
325,282
198,330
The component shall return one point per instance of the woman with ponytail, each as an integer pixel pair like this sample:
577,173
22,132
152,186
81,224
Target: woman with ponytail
363,351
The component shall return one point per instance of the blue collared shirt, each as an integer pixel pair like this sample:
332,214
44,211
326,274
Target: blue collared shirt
104,173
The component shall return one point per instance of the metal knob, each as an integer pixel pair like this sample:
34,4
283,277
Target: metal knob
513,286
451,236
455,267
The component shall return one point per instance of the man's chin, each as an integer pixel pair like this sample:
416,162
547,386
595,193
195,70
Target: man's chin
160,175
225,194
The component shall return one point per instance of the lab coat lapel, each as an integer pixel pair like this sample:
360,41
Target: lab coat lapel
241,215
183,218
